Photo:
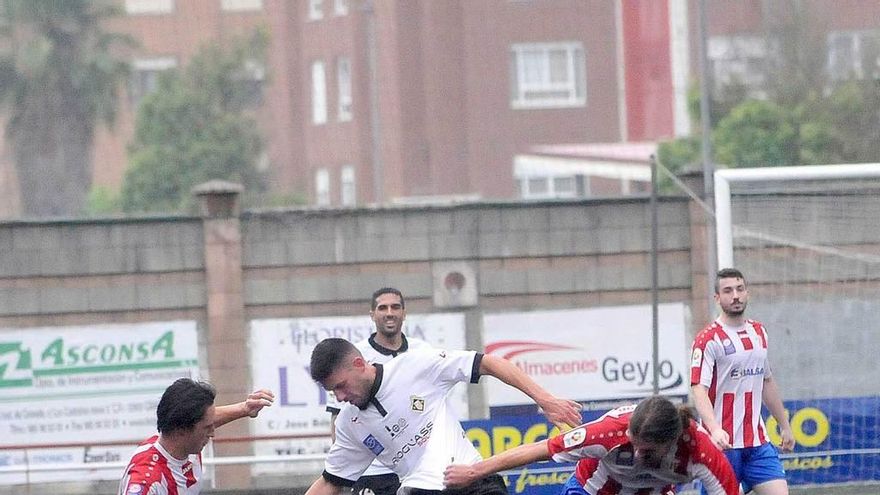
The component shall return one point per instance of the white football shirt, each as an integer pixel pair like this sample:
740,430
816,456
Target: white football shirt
408,425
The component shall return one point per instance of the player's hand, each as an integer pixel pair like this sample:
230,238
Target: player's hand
787,440
563,413
721,439
256,401
459,475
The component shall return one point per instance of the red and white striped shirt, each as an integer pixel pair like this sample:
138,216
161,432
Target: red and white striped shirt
153,471
732,363
607,464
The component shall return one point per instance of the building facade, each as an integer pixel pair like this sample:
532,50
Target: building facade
409,101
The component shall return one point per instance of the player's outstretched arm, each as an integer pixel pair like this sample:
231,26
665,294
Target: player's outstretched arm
460,475
561,412
249,407
773,400
707,416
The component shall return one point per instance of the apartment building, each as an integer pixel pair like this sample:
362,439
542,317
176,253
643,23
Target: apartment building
383,101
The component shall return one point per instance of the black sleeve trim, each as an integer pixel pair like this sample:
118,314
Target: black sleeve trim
336,480
475,371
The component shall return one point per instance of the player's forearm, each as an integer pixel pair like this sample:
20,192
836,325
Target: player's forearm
704,407
773,400
508,373
229,412
513,458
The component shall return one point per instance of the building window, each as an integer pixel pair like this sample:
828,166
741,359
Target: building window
251,79
544,187
319,93
548,75
340,7
135,7
347,186
854,55
322,187
241,5
145,76
316,10
343,83
738,60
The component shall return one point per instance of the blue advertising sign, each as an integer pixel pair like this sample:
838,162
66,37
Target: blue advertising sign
836,440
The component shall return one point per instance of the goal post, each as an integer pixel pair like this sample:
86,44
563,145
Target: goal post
724,178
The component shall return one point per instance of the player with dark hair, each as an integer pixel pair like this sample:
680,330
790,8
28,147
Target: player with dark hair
730,378
399,413
645,449
388,312
171,462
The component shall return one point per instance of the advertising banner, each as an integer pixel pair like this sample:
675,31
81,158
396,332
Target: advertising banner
280,354
96,383
836,440
595,355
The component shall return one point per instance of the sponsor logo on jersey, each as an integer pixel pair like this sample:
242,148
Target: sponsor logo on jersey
442,354
375,447
417,403
397,428
697,358
574,437
746,372
729,348
417,440
134,488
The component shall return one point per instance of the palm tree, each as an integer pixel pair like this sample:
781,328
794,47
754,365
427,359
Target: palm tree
58,80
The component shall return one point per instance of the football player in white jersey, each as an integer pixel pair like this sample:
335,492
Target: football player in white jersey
730,378
388,312
399,413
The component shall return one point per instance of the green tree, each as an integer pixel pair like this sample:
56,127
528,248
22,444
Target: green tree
59,78
757,134
196,127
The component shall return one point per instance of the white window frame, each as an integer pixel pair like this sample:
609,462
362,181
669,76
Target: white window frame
340,7
322,187
733,59
856,43
343,89
526,94
241,5
148,7
147,65
348,186
319,93
316,10
549,182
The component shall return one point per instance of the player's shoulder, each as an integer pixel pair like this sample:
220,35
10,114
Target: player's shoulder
708,334
697,441
757,325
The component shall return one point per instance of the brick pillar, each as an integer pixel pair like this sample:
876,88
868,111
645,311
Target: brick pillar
226,333
700,222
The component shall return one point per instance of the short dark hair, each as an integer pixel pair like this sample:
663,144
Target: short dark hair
183,405
329,355
657,420
727,273
386,290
